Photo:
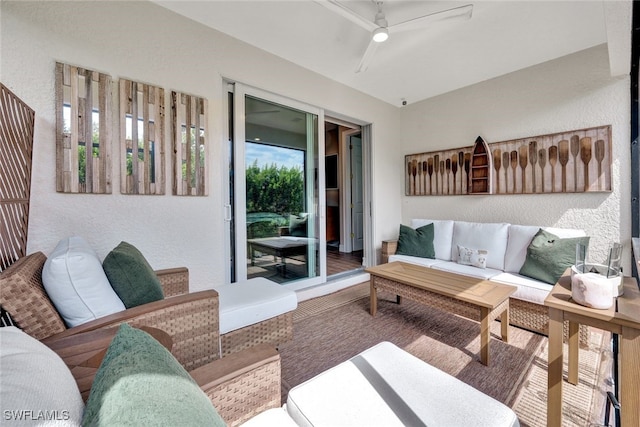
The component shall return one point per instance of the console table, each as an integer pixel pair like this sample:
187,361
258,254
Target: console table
622,319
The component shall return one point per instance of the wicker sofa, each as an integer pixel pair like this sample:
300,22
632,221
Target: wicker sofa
191,319
507,246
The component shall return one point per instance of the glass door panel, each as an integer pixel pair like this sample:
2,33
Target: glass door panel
277,217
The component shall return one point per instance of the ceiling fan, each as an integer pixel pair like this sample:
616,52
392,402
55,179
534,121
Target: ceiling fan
380,29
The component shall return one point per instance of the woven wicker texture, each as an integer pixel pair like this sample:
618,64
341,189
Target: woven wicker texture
193,326
174,281
24,297
16,148
535,317
432,299
245,396
274,331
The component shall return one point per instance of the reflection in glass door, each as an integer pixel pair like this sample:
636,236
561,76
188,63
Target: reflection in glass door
278,228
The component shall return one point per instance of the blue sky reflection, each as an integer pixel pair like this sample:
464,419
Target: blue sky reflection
267,155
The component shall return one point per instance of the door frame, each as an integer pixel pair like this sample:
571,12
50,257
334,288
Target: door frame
345,202
240,91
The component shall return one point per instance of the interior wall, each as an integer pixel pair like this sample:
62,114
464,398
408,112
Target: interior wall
141,41
573,92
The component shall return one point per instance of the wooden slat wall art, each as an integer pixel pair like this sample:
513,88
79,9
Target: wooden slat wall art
16,148
567,162
83,127
144,171
190,144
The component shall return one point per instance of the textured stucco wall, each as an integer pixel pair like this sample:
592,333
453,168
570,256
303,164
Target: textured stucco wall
142,41
573,92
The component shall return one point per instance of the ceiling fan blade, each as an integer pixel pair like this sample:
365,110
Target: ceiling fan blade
367,57
462,12
347,13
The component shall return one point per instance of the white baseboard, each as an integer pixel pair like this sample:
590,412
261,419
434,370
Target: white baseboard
331,286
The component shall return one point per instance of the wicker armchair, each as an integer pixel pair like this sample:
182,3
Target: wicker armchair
191,319
239,386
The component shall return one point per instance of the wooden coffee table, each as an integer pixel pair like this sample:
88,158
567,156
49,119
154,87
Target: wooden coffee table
476,299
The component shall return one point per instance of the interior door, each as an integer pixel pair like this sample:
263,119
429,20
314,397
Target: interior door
279,183
357,199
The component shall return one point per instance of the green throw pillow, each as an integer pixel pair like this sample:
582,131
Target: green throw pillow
548,256
418,242
131,276
298,226
140,383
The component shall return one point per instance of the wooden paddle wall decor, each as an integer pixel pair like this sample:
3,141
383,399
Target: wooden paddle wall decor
568,162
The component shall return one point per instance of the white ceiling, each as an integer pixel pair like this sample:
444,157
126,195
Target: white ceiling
499,38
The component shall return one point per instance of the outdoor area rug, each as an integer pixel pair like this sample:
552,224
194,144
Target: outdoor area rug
331,329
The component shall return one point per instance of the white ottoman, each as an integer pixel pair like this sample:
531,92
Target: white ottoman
255,311
386,386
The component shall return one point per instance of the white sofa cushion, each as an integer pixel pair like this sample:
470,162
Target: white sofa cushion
252,301
529,289
37,387
476,235
520,237
467,270
386,386
442,236
425,262
76,283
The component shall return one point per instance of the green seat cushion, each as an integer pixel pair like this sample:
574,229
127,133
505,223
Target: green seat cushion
418,242
140,383
548,256
131,276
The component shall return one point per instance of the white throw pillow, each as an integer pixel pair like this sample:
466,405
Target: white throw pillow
442,236
37,386
486,235
76,283
473,257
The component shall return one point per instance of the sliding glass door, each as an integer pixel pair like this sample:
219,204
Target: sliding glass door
279,189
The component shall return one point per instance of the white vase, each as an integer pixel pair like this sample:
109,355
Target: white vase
593,289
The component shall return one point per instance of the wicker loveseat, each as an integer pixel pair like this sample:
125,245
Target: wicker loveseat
507,248
191,319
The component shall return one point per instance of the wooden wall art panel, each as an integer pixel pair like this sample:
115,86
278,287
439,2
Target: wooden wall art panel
190,144
144,172
568,162
83,130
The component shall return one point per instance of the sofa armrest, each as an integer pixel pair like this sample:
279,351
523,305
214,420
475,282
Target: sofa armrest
389,247
174,281
242,385
191,320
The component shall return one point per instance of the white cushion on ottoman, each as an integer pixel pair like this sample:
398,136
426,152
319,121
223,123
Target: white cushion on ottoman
386,386
252,301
